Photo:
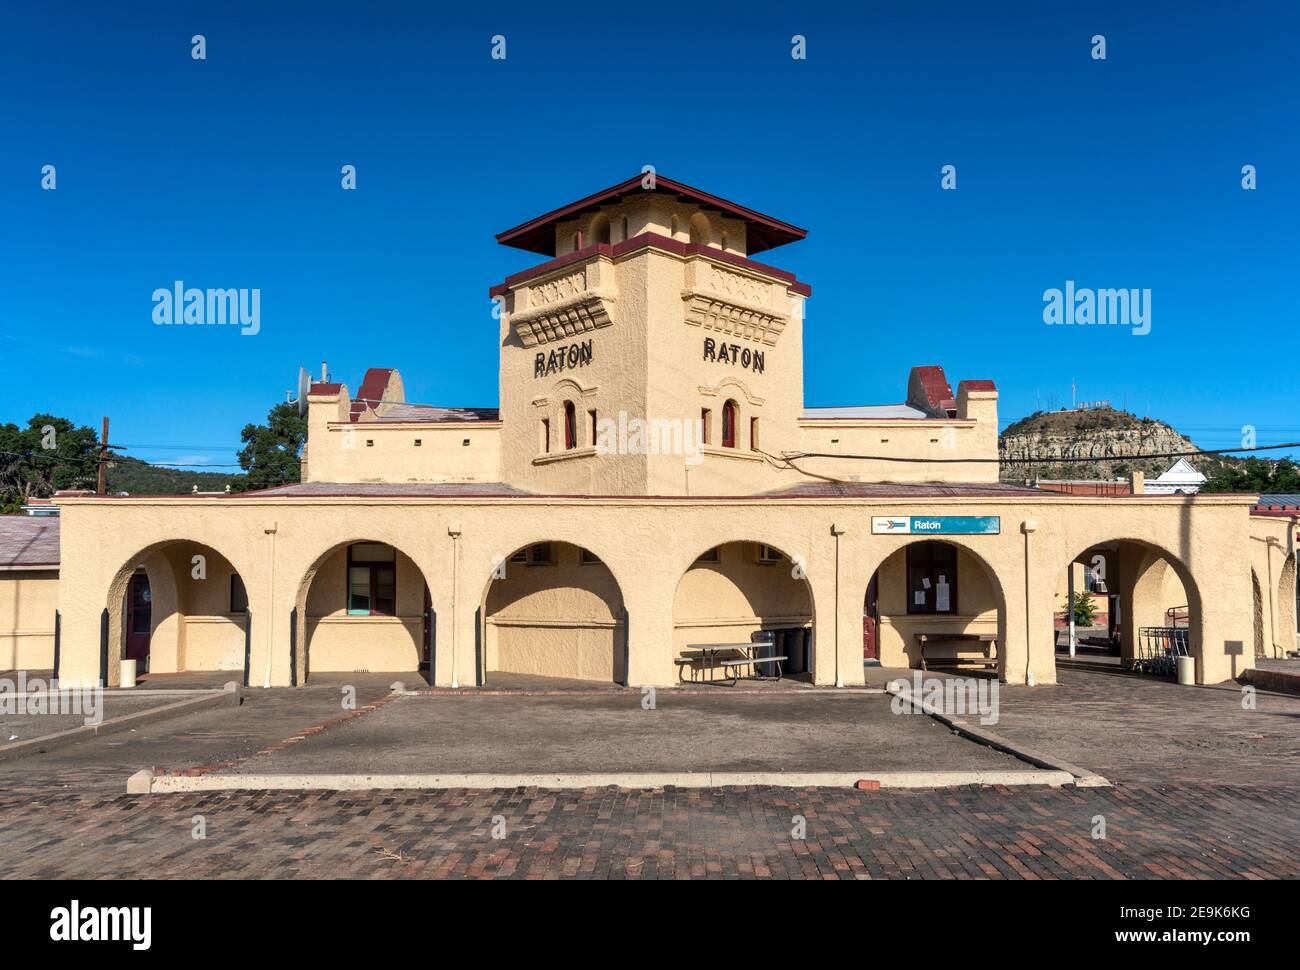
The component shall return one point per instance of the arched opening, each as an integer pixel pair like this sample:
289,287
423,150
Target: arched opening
730,594
599,229
729,418
701,231
932,604
362,606
176,606
552,610
1288,599
570,426
1125,605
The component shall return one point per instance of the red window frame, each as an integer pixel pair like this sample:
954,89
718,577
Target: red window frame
729,424
376,571
570,426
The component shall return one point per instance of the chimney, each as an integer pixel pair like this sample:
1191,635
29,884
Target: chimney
1137,483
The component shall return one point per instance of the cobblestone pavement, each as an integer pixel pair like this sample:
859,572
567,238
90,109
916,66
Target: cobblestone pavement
968,833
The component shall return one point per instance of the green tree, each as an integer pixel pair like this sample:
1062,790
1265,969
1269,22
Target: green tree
1085,609
50,453
1256,475
272,452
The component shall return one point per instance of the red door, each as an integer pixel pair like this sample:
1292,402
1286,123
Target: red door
139,619
870,621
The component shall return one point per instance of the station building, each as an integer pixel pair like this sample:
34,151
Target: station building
650,479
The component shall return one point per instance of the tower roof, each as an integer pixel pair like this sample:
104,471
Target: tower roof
762,232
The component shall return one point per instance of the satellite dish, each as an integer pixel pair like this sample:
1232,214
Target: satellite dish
304,388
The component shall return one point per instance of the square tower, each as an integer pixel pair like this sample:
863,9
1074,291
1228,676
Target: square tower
650,355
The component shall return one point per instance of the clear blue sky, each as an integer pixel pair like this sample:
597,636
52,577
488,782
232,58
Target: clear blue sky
225,172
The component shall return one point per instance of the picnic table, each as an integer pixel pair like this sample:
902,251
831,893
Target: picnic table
730,657
987,657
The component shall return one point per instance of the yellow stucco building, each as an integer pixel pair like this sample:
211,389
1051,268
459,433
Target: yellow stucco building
650,481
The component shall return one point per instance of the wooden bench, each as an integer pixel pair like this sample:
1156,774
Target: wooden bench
986,659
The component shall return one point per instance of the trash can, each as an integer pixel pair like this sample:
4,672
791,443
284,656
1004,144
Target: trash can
794,651
127,678
1186,670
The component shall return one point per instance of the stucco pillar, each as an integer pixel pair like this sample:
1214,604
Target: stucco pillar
837,593
649,606
1222,578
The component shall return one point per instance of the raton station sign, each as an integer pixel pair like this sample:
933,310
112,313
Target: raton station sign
734,354
563,358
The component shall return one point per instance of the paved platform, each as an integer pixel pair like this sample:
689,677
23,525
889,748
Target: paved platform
794,732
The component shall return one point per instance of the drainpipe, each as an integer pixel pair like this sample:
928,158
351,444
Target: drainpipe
454,532
1029,527
270,608
837,531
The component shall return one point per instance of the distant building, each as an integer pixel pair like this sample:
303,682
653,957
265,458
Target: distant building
1180,478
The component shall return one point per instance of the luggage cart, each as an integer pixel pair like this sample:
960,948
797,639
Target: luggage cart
1158,649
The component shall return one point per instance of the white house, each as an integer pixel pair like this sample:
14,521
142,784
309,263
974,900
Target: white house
1180,478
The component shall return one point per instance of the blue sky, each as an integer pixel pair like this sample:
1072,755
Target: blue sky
225,172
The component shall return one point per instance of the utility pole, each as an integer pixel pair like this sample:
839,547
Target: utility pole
102,488
103,460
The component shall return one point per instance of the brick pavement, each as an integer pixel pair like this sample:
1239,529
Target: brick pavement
968,833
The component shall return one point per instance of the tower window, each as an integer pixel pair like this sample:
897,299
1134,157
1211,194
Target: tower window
753,434
706,418
729,424
570,426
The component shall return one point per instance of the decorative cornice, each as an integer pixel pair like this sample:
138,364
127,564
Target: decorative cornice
733,302
564,305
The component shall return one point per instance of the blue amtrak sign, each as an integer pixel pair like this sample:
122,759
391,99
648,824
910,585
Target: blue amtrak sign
936,525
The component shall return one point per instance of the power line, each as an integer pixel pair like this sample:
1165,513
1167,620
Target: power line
1033,460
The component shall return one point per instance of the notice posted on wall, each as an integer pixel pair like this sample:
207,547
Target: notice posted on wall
941,601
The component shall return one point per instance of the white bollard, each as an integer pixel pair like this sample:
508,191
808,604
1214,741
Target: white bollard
1186,670
127,678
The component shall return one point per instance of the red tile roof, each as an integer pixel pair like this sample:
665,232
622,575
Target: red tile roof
371,391
762,232
977,385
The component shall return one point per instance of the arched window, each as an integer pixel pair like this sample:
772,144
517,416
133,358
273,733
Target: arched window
729,424
701,232
570,426
600,229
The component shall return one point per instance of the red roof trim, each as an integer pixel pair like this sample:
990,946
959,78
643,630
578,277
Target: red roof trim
647,240
537,235
976,385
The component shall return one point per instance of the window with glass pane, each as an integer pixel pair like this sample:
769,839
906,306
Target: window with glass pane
359,591
385,599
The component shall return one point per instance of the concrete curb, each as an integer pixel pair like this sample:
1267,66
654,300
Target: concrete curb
669,692
1079,777
229,697
146,782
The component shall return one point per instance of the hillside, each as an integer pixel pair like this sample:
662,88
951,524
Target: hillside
1106,434
137,478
